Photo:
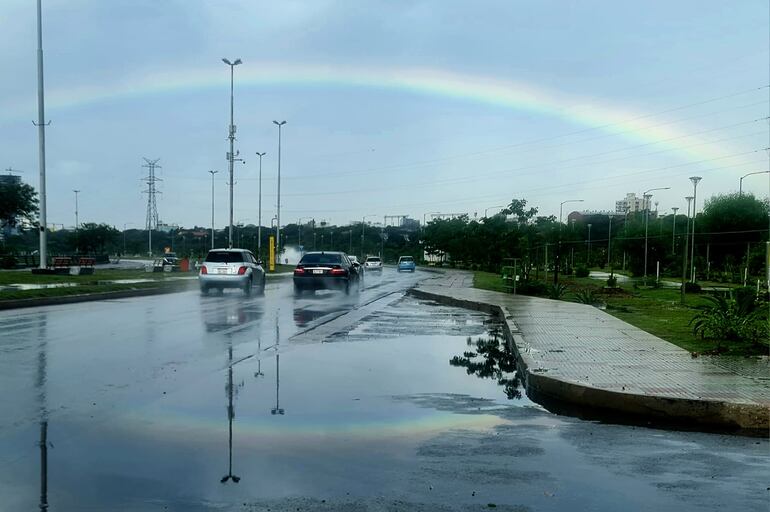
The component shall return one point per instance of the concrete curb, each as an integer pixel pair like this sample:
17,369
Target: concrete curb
88,297
582,400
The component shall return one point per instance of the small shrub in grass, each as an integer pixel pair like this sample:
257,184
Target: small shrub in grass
692,288
557,291
532,288
581,271
612,281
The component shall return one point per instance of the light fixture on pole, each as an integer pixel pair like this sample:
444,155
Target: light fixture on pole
740,184
278,216
695,180
646,202
558,245
231,154
212,207
259,215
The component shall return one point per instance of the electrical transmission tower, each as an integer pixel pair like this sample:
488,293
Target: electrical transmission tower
152,207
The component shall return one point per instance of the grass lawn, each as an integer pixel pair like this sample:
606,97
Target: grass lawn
86,283
657,311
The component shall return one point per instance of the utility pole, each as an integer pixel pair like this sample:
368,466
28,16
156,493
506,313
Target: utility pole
152,207
212,207
41,124
695,180
259,215
686,249
278,225
231,154
673,232
609,245
77,222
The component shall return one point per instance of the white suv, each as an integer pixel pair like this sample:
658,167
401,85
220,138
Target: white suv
373,263
231,268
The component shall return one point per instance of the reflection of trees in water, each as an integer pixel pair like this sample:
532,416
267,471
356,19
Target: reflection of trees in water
491,359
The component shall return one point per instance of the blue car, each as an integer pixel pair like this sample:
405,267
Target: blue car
406,264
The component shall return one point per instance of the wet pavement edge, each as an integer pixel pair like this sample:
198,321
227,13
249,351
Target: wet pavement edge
575,399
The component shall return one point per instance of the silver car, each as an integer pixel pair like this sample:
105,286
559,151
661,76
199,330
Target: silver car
373,263
231,268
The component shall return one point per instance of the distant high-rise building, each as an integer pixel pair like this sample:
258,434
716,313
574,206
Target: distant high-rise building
632,204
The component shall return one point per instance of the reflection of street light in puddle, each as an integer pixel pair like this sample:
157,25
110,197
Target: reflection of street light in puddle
277,409
230,417
259,373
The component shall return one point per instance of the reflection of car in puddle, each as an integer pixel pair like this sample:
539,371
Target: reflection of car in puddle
221,315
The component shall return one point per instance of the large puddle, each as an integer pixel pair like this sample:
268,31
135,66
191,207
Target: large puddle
276,418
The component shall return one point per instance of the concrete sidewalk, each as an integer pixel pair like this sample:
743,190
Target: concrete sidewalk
578,355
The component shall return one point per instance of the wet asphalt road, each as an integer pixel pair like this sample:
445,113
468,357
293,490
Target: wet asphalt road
319,403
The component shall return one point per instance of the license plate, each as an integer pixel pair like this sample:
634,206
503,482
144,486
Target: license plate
318,271
222,270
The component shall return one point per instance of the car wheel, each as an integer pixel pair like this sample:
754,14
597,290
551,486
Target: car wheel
204,290
247,288
297,291
261,291
347,287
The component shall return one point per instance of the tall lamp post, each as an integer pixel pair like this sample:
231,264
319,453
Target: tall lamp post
558,246
695,180
231,155
41,124
740,185
588,257
278,216
77,222
686,248
609,244
646,200
259,215
673,232
212,207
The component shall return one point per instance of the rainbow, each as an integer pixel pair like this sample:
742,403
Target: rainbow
506,94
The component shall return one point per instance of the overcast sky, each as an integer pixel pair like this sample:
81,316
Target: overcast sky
392,107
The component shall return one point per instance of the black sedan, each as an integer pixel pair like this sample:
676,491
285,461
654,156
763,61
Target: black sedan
325,271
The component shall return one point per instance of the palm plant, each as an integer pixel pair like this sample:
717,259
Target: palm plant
728,318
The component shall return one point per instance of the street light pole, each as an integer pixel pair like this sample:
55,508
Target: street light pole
609,244
41,124
259,216
77,223
646,196
558,246
278,216
695,180
686,248
231,155
673,232
740,185
212,207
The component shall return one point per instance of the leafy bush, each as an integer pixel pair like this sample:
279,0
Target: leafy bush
737,317
532,288
581,271
612,281
691,288
557,291
586,296
8,261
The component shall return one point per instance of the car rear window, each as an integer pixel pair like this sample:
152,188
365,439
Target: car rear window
407,259
224,257
373,259
322,259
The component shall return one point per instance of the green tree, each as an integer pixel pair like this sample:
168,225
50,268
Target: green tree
18,201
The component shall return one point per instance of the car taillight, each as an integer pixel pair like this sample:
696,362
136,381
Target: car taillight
338,272
204,270
299,270
241,271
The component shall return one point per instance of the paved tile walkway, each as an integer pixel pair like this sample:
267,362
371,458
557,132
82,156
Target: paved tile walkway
581,344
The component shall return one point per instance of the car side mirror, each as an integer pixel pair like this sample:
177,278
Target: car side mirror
259,262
